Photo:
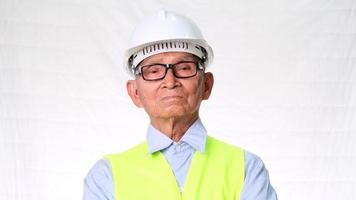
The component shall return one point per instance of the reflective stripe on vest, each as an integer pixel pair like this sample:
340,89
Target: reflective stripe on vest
216,174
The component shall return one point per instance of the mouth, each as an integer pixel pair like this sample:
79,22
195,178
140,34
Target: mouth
171,97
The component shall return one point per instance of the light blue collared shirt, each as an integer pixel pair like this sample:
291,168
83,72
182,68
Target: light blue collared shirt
98,184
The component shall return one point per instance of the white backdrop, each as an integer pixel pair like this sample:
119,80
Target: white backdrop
285,89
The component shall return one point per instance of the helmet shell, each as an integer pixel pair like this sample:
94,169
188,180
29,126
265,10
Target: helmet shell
162,27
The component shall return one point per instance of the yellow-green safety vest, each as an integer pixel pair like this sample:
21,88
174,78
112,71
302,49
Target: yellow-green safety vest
216,174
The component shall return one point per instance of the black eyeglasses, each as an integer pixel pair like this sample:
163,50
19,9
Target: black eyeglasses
157,71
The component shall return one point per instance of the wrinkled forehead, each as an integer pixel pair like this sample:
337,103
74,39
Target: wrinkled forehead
169,57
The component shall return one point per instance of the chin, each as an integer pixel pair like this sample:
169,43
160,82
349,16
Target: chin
173,112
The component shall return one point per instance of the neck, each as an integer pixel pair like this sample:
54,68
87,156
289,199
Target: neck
174,127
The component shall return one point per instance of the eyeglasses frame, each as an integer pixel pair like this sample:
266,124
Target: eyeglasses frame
199,66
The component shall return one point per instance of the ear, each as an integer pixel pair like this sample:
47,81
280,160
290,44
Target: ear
208,85
132,91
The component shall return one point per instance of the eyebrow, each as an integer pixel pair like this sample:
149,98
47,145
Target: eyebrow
184,58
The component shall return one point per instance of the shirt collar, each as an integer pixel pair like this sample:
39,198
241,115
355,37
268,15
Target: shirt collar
195,136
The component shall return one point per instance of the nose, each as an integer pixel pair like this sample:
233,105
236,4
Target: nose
170,80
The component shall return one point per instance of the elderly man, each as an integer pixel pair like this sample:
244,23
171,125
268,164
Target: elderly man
168,57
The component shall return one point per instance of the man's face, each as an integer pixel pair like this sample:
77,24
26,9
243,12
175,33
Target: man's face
170,97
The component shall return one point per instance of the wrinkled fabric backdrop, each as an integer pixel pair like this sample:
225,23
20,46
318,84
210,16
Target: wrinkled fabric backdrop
285,89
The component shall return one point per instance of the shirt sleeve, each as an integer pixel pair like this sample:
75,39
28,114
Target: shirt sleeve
98,184
257,185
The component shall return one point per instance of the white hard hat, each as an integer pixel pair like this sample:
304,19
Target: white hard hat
166,31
